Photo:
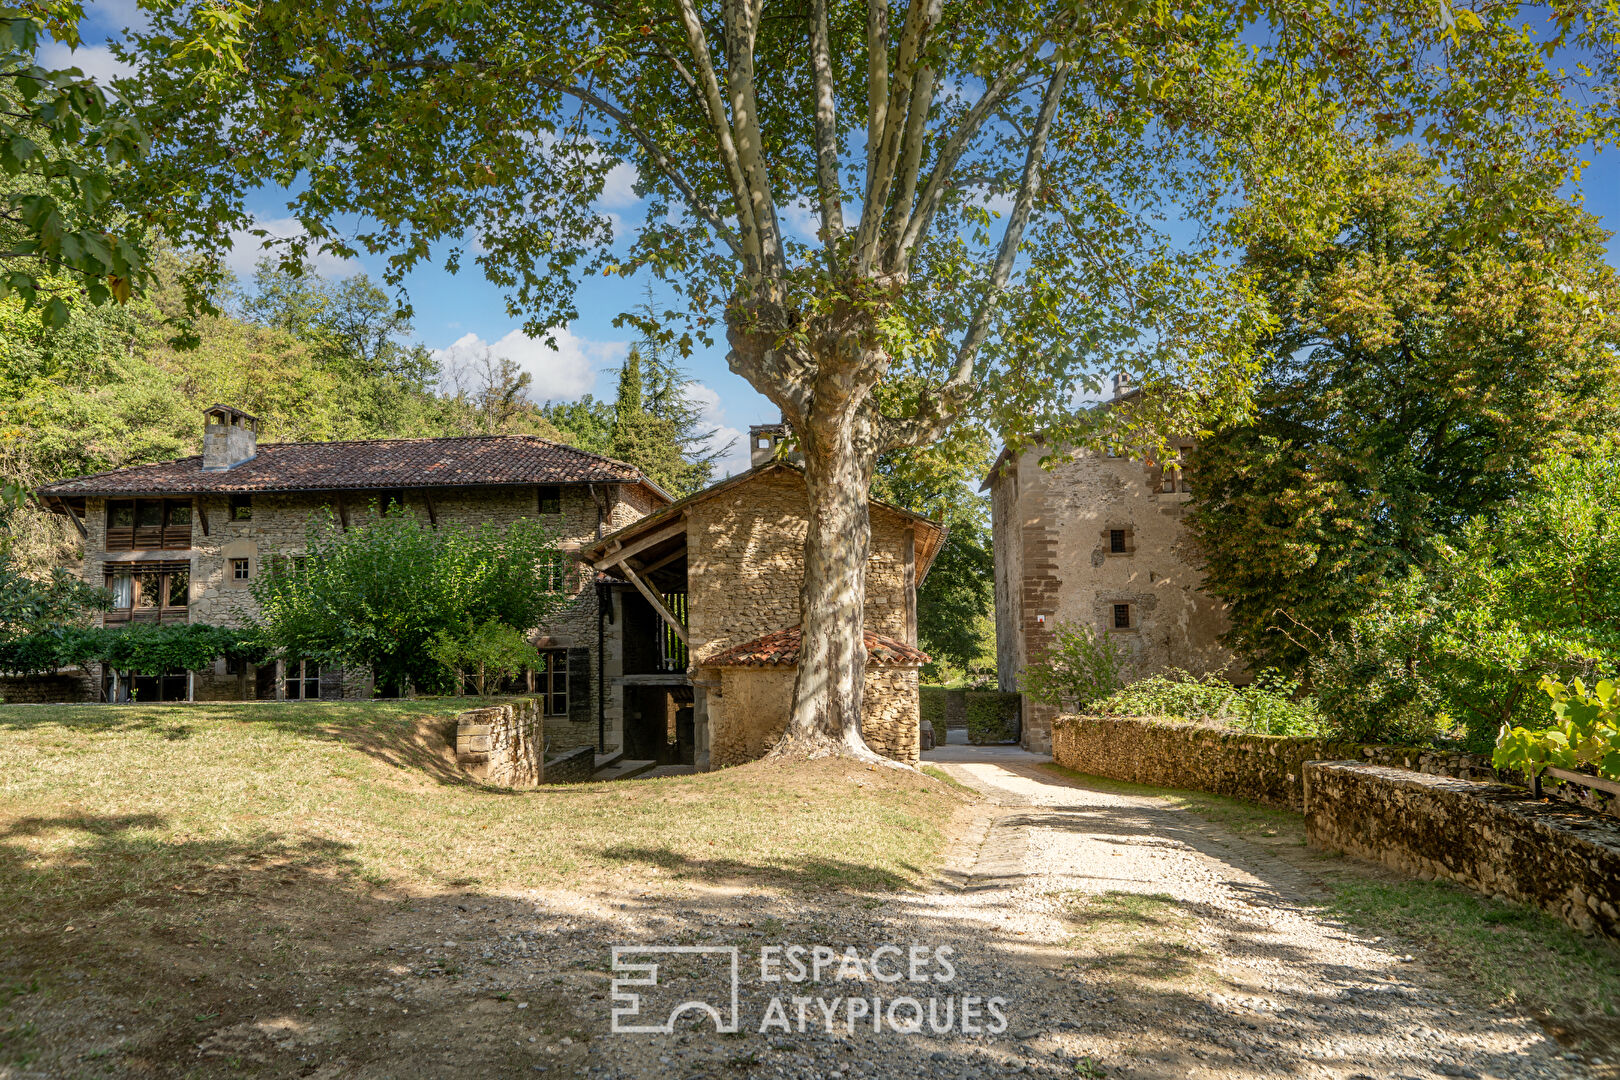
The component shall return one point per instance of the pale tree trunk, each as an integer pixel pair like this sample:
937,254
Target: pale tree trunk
826,717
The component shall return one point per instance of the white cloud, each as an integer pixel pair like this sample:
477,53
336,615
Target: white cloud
560,374
96,61
735,459
619,187
247,249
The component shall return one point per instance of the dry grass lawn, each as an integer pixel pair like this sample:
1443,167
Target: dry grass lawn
148,853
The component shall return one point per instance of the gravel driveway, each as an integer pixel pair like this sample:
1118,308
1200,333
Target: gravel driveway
1117,935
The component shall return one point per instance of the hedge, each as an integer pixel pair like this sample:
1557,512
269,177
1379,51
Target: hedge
931,707
146,649
993,717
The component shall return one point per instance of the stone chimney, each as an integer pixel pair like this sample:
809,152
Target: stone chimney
1122,385
230,437
763,439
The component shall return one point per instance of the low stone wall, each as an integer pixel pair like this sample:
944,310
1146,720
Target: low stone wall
46,689
502,744
572,766
1490,837
1263,768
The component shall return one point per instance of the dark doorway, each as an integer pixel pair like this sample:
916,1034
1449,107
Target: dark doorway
659,724
125,686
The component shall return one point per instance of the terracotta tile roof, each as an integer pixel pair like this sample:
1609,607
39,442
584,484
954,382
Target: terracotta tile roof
781,649
368,464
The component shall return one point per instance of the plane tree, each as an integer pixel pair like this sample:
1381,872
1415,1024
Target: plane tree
899,217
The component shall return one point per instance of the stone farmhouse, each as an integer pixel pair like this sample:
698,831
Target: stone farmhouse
183,541
679,645
1097,541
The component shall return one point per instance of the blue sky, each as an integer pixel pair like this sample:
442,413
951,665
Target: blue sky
456,314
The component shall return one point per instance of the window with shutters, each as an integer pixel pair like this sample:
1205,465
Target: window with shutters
148,524
551,681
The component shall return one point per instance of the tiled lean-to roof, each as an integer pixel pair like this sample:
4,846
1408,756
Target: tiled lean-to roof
368,464
781,649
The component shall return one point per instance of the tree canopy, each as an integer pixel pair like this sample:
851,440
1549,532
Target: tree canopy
970,206
1411,384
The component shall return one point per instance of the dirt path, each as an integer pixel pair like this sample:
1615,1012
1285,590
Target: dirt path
1074,933
1196,957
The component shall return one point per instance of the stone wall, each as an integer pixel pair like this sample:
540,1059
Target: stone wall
745,565
750,712
1054,564
41,689
501,744
1489,837
571,766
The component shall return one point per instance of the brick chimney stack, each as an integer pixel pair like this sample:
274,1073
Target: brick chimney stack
230,437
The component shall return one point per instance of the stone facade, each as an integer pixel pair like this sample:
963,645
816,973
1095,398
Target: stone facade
501,745
1097,541
1487,837
745,565
750,712
279,525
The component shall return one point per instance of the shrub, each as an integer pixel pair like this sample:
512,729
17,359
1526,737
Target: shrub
1080,667
491,650
1586,731
931,707
1268,706
992,717
1532,595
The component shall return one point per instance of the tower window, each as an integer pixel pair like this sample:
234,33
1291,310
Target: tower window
1116,541
1122,616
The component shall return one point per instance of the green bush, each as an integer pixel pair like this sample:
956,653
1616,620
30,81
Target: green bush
931,707
992,717
1268,706
1460,648
145,649
1081,666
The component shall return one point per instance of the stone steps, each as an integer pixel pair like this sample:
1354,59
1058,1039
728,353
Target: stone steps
623,769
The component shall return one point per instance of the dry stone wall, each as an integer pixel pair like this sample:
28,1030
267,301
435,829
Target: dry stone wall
745,556
1489,837
751,711
501,745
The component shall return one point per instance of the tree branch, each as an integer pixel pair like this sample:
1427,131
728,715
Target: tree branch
827,185
939,179
877,76
752,252
742,19
920,20
922,101
665,166
935,409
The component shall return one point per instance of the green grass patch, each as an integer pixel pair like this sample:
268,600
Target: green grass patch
1515,954
1247,819
940,774
103,805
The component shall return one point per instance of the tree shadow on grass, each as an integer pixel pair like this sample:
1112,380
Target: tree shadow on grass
804,872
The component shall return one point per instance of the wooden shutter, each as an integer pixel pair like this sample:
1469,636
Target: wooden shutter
579,685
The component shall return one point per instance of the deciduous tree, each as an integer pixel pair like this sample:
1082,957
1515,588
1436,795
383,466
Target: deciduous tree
982,186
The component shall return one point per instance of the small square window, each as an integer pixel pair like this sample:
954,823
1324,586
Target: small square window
550,499
764,444
241,570
1122,616
241,508
1116,542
